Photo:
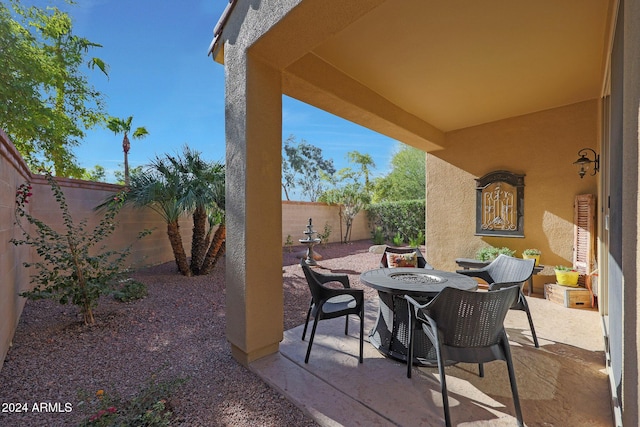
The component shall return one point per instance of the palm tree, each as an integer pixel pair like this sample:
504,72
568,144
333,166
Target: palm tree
118,125
157,187
200,190
217,247
174,185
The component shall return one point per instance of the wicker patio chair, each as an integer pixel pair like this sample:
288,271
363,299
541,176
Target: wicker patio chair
507,271
329,303
465,326
422,262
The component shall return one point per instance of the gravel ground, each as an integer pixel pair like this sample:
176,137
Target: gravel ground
177,331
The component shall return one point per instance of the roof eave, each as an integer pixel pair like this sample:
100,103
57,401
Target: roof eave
216,47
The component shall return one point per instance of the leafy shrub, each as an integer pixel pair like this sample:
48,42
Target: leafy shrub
377,236
149,407
324,236
416,241
130,290
288,243
406,217
72,268
398,240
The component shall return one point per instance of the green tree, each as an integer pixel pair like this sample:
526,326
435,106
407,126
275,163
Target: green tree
352,198
366,164
118,126
302,166
407,179
349,190
46,102
97,174
186,184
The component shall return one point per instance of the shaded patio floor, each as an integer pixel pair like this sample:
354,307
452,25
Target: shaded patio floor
563,383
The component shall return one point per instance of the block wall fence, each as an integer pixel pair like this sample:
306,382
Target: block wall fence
82,197
295,217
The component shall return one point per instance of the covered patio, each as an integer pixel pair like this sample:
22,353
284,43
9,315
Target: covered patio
480,87
562,383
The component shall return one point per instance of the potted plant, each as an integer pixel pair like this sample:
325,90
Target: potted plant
532,254
566,276
489,253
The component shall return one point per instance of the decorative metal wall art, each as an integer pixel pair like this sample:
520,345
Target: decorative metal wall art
500,204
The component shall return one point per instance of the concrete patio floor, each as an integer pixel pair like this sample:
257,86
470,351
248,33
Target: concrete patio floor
562,383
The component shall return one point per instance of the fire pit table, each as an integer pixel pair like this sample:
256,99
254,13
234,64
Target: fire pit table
390,335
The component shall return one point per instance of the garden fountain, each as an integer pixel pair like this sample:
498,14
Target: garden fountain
310,241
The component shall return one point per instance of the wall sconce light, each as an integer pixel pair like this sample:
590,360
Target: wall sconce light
584,162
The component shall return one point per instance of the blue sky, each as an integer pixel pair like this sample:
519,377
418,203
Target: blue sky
160,73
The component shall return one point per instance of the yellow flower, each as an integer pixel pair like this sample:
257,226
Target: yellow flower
100,393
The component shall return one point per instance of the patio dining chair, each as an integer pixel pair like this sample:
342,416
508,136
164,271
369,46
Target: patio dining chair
329,303
465,326
507,271
403,257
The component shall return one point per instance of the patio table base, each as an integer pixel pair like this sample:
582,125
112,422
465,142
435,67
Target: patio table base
390,335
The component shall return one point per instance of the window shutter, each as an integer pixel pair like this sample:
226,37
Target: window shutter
584,219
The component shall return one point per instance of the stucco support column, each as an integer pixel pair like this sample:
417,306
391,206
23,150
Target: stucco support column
254,295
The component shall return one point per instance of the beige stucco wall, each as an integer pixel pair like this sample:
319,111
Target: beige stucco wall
15,278
295,217
542,146
83,196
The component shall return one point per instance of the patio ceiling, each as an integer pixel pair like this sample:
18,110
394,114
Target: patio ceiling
454,64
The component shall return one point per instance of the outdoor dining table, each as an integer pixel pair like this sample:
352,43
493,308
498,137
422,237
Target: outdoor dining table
390,335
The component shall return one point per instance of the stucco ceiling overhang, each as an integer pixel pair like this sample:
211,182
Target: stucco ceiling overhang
432,66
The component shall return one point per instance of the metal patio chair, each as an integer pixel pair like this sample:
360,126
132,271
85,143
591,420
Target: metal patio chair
465,326
506,271
422,262
329,303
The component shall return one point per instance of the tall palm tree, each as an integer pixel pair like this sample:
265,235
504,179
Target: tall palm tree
117,125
